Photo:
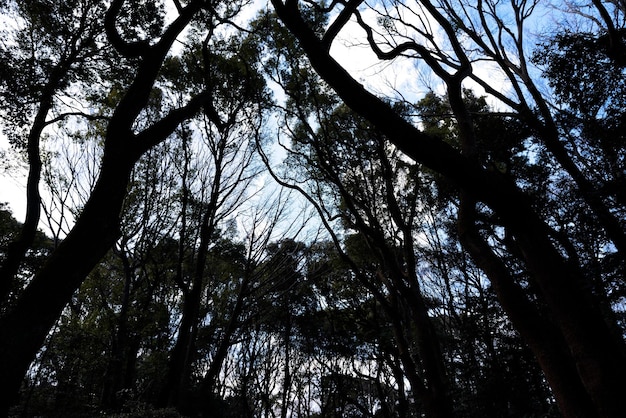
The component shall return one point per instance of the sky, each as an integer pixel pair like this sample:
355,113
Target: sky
359,60
12,182
12,178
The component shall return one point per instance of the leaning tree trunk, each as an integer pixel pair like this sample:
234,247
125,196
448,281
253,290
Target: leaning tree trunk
542,337
24,329
598,354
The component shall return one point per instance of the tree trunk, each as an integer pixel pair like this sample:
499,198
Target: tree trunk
179,367
114,375
178,372
284,407
24,329
598,354
16,251
536,330
210,377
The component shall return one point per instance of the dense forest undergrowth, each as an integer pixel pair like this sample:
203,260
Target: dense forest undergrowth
313,209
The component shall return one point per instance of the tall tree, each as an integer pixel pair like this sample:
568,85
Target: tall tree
53,45
228,133
137,34
572,339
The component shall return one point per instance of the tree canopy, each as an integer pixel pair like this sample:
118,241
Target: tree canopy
225,217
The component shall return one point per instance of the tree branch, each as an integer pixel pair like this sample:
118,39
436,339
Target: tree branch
339,22
160,130
128,49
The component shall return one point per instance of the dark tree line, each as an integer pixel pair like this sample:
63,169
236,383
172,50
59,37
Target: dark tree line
464,251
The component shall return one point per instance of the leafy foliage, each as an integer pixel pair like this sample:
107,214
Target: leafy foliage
473,258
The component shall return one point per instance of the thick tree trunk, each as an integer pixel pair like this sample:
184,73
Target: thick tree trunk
24,329
543,338
597,352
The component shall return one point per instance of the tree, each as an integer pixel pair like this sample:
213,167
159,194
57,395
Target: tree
176,280
53,47
141,263
228,137
345,167
97,227
570,336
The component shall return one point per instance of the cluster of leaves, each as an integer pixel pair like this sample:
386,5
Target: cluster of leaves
189,315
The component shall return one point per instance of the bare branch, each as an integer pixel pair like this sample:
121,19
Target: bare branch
340,21
128,49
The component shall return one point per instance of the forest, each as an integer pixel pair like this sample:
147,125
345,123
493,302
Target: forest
303,208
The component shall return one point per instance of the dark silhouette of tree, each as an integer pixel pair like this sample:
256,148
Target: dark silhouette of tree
24,328
239,96
472,256
570,336
53,47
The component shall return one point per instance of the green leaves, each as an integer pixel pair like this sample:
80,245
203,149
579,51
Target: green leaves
53,45
582,74
141,20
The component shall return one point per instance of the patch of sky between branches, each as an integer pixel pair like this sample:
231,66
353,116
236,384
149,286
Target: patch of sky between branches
407,78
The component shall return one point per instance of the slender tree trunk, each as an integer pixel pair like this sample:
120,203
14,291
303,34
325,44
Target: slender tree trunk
284,407
179,365
406,279
179,369
210,377
114,376
426,374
